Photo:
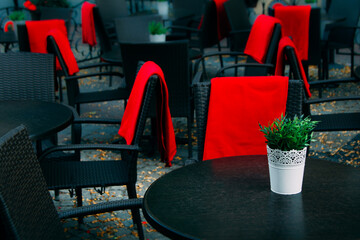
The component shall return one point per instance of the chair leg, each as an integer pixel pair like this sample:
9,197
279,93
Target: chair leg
189,124
78,192
135,212
352,61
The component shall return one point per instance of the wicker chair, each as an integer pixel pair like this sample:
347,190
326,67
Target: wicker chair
173,58
202,96
26,207
75,97
347,121
237,14
251,66
82,174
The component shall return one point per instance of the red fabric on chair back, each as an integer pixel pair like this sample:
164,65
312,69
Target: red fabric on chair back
295,23
64,46
38,32
88,25
237,105
223,25
279,70
260,36
166,135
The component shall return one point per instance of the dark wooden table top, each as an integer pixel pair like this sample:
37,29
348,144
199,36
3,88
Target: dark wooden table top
42,119
231,199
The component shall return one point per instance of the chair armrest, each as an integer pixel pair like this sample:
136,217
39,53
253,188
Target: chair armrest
80,147
186,29
243,65
197,78
102,64
102,207
332,99
94,75
332,81
212,54
80,120
239,31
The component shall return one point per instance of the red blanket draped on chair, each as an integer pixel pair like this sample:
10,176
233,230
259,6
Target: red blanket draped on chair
295,23
87,23
166,135
237,106
38,32
279,70
65,49
260,36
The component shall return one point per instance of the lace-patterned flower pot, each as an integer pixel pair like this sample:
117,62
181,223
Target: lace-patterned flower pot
286,170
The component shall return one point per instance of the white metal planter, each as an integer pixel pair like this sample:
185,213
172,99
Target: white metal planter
286,170
157,37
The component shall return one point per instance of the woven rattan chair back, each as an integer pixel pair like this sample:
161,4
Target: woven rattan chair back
173,58
202,96
27,76
26,208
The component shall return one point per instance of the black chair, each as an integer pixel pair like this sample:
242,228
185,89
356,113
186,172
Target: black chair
239,22
202,96
204,37
341,34
27,76
173,58
74,93
26,207
109,51
346,121
82,174
251,67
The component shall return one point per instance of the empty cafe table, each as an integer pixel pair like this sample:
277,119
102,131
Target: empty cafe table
42,119
230,198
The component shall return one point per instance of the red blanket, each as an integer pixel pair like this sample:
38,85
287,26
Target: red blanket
260,36
295,23
166,136
279,70
65,49
223,25
87,22
237,106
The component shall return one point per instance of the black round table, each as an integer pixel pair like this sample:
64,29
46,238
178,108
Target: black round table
42,119
230,198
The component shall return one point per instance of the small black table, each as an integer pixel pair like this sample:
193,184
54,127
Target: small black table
42,119
230,198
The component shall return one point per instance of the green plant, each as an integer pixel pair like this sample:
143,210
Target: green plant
162,0
310,1
157,28
287,134
51,3
17,16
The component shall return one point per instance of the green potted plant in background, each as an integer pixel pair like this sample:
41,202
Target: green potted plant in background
157,32
312,3
163,8
287,141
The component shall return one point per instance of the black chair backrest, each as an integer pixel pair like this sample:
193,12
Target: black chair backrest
350,10
23,38
27,76
135,29
202,96
173,59
270,55
208,33
101,32
314,52
237,14
111,9
26,208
